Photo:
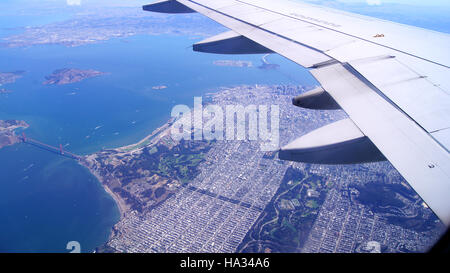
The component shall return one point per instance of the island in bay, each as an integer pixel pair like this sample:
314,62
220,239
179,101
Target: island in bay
70,75
159,87
10,77
7,134
5,91
233,63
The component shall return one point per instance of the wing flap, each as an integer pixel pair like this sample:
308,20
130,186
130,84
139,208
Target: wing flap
340,142
424,102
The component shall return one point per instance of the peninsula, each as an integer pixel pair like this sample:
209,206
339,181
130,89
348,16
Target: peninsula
147,177
142,175
91,26
228,196
7,135
5,91
10,77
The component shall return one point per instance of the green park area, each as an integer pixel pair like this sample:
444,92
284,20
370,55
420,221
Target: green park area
285,223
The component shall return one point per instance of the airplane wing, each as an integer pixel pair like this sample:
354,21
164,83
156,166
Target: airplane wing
392,80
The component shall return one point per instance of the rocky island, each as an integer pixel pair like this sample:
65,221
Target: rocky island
70,75
7,135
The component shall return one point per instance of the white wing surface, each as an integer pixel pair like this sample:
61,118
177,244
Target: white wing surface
392,80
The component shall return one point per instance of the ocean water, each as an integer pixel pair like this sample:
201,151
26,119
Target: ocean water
47,200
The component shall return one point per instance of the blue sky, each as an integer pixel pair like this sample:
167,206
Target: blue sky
369,2
406,2
435,3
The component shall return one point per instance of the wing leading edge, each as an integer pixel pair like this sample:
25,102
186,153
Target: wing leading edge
392,80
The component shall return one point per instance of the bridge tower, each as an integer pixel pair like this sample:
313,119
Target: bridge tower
61,150
24,137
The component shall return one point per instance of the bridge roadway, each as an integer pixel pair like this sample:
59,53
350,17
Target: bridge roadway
58,150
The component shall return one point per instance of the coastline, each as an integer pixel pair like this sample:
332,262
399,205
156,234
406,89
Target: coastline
117,199
146,141
89,160
154,133
8,136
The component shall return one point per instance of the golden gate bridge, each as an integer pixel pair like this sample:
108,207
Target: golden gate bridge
58,150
